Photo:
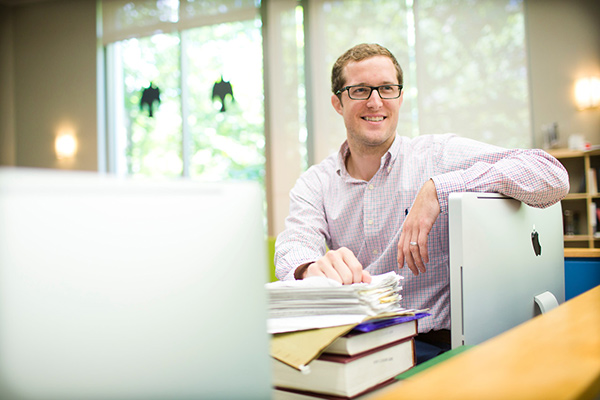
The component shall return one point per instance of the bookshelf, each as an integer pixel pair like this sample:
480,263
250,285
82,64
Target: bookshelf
580,219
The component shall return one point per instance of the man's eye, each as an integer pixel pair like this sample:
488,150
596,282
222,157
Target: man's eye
359,90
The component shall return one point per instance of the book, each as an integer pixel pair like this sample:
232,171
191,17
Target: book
593,181
292,394
347,376
593,217
360,340
596,233
299,348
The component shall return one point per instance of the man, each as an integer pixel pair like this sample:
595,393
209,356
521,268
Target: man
381,202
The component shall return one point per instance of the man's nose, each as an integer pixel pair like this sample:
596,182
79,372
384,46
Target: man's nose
375,99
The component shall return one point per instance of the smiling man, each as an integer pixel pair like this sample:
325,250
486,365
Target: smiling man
380,203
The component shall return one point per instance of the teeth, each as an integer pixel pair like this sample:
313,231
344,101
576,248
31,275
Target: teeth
374,119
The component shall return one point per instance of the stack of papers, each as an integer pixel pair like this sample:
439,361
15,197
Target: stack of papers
319,302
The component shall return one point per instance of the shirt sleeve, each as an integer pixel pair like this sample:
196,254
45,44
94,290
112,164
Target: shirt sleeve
306,233
529,175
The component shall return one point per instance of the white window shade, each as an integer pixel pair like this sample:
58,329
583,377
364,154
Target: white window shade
285,105
472,70
123,19
336,26
201,12
464,63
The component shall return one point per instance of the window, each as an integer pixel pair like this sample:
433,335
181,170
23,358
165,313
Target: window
192,128
464,62
148,138
471,68
226,138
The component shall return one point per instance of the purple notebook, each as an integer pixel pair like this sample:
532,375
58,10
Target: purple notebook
375,324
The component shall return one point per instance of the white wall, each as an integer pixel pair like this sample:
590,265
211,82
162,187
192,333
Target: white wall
7,106
564,44
54,70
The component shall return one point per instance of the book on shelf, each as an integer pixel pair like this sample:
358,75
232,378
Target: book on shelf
597,218
593,182
593,217
348,376
370,335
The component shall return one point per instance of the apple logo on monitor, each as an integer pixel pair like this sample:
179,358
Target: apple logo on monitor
535,240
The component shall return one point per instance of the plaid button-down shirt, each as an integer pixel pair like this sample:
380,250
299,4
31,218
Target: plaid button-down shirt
330,209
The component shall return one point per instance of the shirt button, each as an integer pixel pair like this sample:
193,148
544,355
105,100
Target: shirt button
370,222
371,187
375,251
389,169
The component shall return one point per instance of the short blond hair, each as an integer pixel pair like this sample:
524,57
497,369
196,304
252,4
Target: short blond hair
358,53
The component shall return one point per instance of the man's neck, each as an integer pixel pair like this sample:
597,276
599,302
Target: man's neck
363,165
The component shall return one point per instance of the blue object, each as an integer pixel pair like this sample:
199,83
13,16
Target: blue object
581,275
426,351
375,324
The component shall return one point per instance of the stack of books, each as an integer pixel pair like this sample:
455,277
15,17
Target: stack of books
370,356
377,346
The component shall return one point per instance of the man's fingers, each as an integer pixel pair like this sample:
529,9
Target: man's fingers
341,268
410,258
352,262
315,270
340,265
408,251
366,276
401,257
326,267
415,251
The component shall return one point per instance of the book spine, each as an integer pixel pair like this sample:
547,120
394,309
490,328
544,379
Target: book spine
329,375
353,344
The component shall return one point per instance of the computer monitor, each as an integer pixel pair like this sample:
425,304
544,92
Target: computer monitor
131,289
506,264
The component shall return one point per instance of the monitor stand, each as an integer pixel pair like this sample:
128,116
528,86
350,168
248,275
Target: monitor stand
546,301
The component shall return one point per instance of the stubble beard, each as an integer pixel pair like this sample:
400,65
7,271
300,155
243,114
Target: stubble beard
366,144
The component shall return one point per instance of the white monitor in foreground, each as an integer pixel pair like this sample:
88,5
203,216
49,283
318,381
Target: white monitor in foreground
131,289
506,264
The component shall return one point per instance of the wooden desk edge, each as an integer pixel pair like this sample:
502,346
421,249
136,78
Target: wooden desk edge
577,318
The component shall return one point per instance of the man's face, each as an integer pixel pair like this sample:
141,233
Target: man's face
370,124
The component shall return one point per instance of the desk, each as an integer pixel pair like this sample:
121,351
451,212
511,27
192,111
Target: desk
553,356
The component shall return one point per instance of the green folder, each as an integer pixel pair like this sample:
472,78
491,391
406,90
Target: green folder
436,360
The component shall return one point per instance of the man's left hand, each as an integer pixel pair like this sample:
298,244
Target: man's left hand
412,245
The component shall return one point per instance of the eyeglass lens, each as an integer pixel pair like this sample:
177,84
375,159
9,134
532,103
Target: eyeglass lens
364,92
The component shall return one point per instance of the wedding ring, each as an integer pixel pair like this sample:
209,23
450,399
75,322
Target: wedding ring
413,243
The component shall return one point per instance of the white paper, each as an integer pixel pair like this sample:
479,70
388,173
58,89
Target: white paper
318,302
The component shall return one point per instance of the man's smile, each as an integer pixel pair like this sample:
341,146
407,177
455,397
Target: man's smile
378,118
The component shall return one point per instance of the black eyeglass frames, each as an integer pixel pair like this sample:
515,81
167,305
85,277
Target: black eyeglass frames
363,92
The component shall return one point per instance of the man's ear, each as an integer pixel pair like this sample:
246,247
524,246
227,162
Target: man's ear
337,103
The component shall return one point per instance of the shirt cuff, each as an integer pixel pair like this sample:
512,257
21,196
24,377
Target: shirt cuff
448,183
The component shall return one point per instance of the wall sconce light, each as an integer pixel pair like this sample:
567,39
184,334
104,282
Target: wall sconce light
65,145
587,93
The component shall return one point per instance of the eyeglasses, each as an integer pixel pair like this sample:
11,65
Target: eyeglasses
362,92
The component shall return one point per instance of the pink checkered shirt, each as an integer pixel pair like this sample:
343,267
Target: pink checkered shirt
330,209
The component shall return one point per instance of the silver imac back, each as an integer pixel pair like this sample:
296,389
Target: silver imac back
506,264
131,289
